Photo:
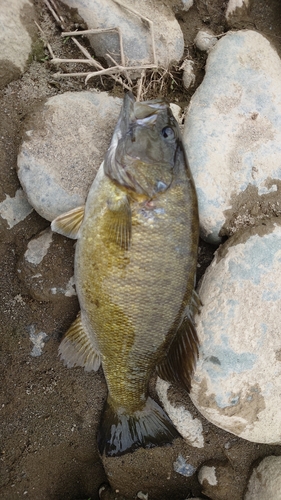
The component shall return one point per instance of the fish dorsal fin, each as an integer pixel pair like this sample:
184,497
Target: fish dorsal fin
77,348
120,221
68,224
179,364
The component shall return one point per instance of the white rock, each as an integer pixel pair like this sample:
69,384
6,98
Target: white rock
63,149
232,131
219,481
136,33
265,481
15,39
237,382
16,209
205,40
208,474
234,5
189,427
177,112
186,4
188,77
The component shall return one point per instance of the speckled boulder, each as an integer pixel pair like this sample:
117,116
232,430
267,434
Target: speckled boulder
237,383
64,145
17,29
232,133
265,481
136,33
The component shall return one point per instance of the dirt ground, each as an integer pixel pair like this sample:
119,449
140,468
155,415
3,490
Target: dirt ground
49,414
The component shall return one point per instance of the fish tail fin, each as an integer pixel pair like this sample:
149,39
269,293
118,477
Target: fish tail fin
120,433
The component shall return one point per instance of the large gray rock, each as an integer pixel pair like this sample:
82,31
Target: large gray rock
169,43
265,481
64,145
232,133
237,382
16,30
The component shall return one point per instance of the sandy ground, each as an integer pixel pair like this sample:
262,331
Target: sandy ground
49,414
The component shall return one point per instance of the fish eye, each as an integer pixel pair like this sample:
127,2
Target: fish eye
168,133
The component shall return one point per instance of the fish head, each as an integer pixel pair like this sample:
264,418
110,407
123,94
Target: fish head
142,153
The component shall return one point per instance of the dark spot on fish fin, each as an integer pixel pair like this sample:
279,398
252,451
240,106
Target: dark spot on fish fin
77,348
120,433
179,364
120,221
68,224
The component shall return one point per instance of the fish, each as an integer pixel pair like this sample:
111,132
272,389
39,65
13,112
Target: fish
135,267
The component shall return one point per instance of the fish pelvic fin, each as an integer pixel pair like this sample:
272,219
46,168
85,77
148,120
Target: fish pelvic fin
179,364
68,224
77,349
120,433
120,221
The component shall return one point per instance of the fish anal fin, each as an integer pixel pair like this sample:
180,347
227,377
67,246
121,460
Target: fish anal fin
120,221
120,432
77,349
179,364
68,224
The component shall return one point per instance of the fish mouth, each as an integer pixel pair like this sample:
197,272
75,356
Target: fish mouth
134,113
141,155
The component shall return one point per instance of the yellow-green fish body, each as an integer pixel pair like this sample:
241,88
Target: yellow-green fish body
135,264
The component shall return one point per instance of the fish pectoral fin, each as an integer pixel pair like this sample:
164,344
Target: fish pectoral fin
179,364
120,221
77,348
68,224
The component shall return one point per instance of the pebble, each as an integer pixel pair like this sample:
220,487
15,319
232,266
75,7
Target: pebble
131,18
218,480
265,481
236,10
44,253
16,33
186,4
237,382
232,135
205,40
190,428
188,77
15,209
64,145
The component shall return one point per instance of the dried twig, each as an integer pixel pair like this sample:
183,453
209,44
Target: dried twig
114,71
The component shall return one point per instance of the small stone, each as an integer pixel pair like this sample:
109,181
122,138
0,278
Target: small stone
64,145
136,33
15,209
46,267
189,427
237,382
218,480
205,40
265,481
236,11
188,77
232,134
207,474
177,112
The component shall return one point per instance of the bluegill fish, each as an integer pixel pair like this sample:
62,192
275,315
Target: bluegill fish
135,264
